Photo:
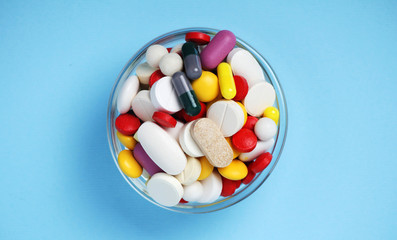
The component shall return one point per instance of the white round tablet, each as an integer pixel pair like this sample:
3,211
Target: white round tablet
212,188
231,54
170,64
143,71
245,65
191,172
165,189
175,131
261,147
259,97
127,93
177,48
154,54
227,115
187,142
193,192
142,106
164,97
265,129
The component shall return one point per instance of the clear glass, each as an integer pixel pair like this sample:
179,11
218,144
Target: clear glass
169,40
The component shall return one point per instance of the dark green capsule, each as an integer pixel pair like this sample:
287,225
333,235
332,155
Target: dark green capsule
186,95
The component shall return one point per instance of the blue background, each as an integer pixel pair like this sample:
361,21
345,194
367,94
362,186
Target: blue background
336,60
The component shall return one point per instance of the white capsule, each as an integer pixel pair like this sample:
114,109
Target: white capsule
127,93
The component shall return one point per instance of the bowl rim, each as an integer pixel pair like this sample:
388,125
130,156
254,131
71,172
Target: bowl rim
280,99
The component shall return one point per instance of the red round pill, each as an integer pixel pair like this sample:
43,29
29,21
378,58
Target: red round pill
201,114
198,38
249,177
156,75
261,162
127,124
169,49
244,140
179,116
241,88
238,183
228,187
164,119
250,123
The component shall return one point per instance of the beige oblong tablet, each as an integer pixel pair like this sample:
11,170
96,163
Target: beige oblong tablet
211,142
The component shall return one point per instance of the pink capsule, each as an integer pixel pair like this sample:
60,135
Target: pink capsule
217,49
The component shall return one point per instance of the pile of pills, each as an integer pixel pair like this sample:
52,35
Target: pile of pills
197,120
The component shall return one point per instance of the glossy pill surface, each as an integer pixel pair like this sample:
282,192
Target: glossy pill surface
272,113
128,164
127,141
217,49
226,80
145,161
236,170
206,168
165,189
186,95
191,60
127,124
206,87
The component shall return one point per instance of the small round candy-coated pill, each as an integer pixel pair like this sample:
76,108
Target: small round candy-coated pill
198,37
261,162
228,187
244,140
272,113
235,152
189,118
127,124
164,119
250,123
206,87
206,168
236,170
154,54
171,63
248,178
128,164
156,75
265,129
241,88
226,81
128,141
245,111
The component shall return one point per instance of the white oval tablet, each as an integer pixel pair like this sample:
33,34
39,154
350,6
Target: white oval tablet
142,106
154,54
193,192
261,147
177,48
175,131
231,54
127,93
212,188
164,97
165,189
227,115
187,142
144,70
161,148
245,65
265,129
191,172
170,64
259,97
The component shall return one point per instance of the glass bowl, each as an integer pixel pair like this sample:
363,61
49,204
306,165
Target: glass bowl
139,184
